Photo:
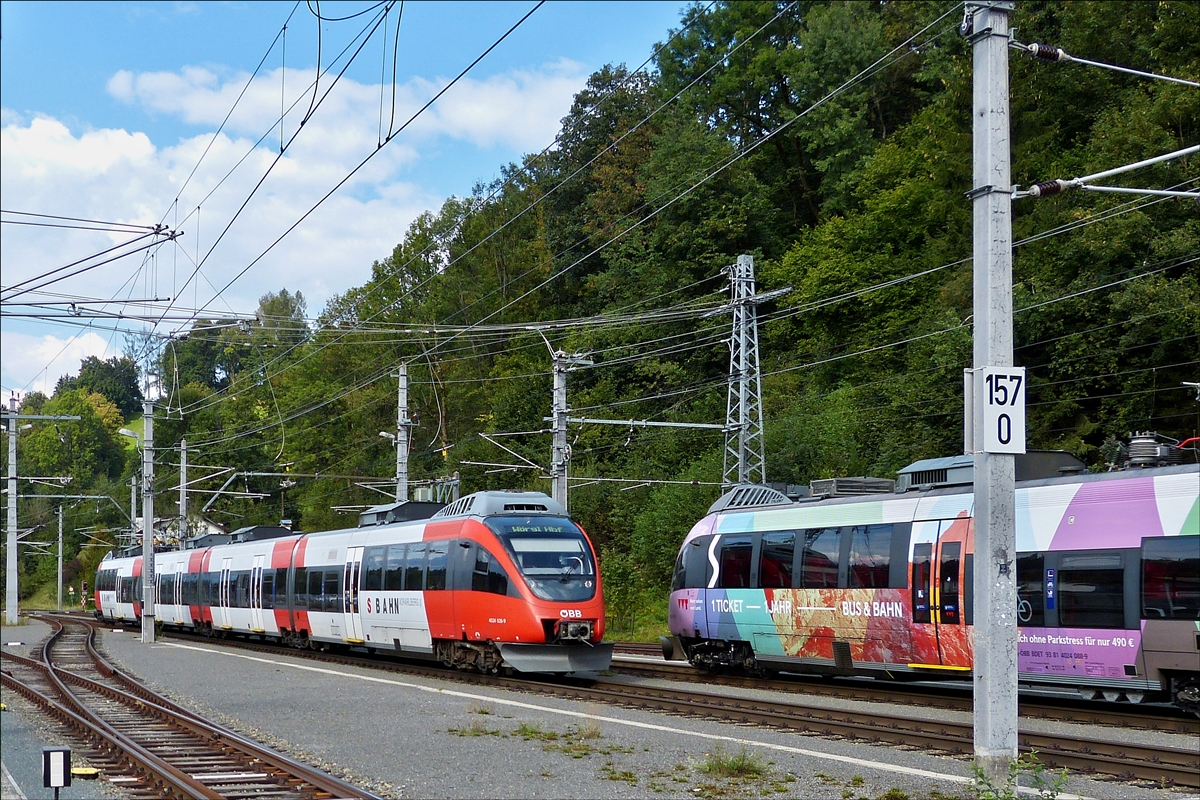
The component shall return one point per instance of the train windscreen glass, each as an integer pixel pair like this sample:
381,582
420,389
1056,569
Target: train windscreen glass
551,554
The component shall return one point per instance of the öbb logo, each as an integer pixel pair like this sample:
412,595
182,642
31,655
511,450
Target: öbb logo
570,613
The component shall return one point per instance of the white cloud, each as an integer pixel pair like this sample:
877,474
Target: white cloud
519,109
35,363
119,174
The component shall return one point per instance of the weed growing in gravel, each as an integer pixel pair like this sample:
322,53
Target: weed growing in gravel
857,780
742,765
1047,785
480,708
532,730
894,794
477,728
613,774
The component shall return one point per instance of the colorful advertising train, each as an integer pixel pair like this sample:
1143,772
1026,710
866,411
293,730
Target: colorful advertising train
1107,571
493,580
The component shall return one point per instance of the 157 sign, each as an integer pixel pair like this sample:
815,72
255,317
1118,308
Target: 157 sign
1002,392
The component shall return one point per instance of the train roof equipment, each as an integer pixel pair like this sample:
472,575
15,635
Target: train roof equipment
403,511
511,501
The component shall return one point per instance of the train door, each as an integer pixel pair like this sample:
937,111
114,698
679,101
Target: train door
222,614
350,578
256,610
177,593
939,632
160,613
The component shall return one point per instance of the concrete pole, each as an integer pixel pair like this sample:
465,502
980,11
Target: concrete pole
148,524
11,555
402,437
995,673
182,491
60,554
558,461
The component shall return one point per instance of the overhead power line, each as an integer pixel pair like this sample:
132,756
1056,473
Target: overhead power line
1050,53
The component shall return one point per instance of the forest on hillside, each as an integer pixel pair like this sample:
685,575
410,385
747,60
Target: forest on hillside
831,141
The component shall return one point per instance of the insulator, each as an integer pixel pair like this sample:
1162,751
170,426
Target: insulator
1047,188
1047,52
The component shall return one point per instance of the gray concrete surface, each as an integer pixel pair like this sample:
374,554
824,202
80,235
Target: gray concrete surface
408,737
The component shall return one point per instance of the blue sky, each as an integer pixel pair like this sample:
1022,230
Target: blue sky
107,108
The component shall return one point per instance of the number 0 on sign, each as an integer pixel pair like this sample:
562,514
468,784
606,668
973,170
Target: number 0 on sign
1001,390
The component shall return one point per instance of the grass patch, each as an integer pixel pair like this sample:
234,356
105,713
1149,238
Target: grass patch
477,727
737,765
480,708
590,729
532,730
613,774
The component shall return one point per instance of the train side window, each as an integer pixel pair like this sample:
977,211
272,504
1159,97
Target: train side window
480,571
300,587
243,589
436,571
1091,590
775,563
394,579
695,563
922,574
489,575
333,590
735,562
316,600
414,568
1031,589
268,588
372,569
948,568
870,556
1171,577
679,574
498,582
820,559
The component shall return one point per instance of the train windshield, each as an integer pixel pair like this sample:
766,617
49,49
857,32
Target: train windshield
552,555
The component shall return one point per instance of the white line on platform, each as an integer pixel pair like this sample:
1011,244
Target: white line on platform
858,762
11,783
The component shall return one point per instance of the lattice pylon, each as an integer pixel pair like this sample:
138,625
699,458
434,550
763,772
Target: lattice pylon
745,453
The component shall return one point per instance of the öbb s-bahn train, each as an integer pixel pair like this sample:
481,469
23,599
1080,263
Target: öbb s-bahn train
493,580
1107,572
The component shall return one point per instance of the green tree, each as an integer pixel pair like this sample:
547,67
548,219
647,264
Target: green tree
115,378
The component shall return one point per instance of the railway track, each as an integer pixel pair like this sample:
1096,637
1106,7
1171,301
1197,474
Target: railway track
1165,719
1092,756
145,743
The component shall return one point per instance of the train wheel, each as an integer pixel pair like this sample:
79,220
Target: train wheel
1187,694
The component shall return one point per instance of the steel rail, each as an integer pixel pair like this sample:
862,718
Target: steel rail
98,734
1088,755
280,770
1071,710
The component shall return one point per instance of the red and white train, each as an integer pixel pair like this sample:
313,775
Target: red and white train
495,579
